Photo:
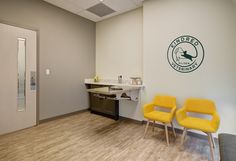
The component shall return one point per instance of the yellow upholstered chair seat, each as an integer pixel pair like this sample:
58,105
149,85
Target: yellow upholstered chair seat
197,124
150,113
159,116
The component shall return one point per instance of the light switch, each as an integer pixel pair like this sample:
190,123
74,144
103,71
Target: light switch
48,72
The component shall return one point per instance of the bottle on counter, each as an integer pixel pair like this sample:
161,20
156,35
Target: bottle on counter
96,79
120,79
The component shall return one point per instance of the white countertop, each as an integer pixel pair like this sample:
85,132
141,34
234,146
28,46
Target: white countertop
110,82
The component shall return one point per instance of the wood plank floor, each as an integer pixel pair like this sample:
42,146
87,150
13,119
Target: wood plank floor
89,137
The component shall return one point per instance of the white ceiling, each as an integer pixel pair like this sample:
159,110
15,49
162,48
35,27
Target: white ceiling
79,7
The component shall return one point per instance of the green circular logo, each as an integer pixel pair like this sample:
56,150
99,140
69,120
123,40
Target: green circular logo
185,54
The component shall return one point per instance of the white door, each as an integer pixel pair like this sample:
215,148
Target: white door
17,78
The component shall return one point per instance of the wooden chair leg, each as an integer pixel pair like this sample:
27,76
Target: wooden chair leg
213,141
183,136
146,128
211,146
153,126
167,138
173,129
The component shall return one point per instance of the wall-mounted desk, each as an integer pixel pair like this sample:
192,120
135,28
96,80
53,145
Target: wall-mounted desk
105,96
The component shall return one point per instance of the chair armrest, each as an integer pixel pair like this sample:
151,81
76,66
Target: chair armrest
173,110
215,122
181,114
148,108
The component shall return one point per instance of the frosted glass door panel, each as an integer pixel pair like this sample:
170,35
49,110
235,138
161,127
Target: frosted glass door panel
21,73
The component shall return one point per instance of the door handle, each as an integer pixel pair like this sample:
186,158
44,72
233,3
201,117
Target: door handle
33,80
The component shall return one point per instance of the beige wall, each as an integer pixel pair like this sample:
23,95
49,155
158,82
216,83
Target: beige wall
213,22
119,52
66,46
119,45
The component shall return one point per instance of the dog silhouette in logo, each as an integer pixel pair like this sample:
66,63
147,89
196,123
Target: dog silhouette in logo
183,54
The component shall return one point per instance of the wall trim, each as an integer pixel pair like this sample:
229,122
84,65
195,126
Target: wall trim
62,116
177,130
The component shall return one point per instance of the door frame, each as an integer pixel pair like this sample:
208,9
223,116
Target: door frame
37,61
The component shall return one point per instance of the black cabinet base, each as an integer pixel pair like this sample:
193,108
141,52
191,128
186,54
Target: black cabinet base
103,105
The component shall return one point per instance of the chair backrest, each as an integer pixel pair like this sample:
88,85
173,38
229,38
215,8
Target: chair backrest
202,106
165,101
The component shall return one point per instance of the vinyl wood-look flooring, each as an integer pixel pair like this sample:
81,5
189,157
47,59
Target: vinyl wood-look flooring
89,137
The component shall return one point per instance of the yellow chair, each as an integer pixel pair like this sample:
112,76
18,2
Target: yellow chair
167,102
200,106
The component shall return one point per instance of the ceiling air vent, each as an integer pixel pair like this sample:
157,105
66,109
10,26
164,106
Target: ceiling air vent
100,10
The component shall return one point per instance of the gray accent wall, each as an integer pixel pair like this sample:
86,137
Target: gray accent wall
66,47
